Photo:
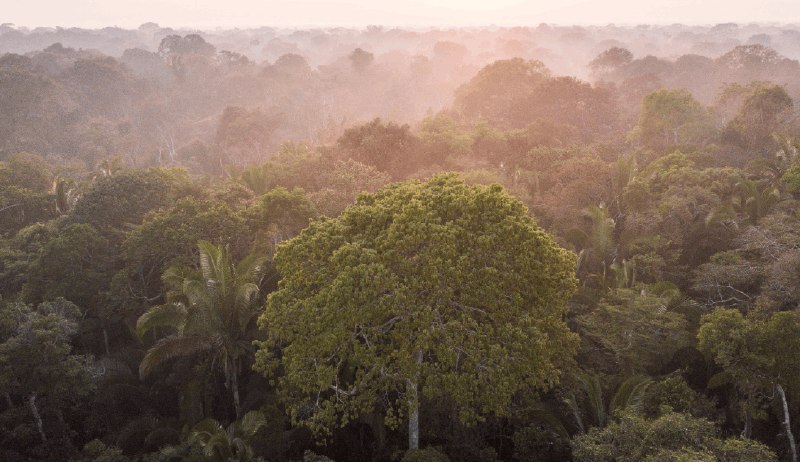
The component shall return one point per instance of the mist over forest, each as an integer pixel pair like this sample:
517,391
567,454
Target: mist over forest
545,243
149,92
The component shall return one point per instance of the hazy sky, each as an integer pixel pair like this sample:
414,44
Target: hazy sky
227,13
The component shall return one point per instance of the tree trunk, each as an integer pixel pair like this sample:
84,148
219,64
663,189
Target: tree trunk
412,389
748,422
787,425
37,417
105,342
235,390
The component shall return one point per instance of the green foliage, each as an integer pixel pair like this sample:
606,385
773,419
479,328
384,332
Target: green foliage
676,395
73,264
673,118
27,171
458,276
310,456
120,200
212,311
437,301
590,408
221,444
757,199
25,184
443,143
294,166
632,330
540,443
673,436
37,366
791,178
285,213
168,237
756,357
36,348
684,210
97,451
754,353
244,135
763,112
424,455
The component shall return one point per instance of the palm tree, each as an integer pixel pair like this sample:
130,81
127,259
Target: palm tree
212,311
595,410
225,444
598,244
209,441
590,408
757,199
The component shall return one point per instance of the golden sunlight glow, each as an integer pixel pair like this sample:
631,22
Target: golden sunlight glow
303,13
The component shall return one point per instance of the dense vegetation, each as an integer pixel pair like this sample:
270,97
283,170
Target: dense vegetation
194,268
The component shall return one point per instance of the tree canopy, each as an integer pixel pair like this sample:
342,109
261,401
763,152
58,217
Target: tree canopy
437,286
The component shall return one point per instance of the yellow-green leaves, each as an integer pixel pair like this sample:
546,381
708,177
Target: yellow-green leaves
460,273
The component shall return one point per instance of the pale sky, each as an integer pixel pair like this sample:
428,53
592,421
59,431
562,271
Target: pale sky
421,13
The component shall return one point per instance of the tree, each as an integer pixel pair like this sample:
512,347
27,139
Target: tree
344,183
671,118
220,444
434,290
361,59
756,199
122,199
765,110
285,213
496,89
168,237
244,135
213,311
756,355
610,60
36,361
670,437
189,44
25,182
388,147
74,264
633,330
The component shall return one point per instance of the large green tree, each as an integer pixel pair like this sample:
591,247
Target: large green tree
37,364
435,288
757,356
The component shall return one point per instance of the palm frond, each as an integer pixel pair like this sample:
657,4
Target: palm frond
572,404
197,295
251,423
218,447
252,268
203,430
170,347
550,416
629,393
594,394
168,315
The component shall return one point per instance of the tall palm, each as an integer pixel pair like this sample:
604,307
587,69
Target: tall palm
222,444
757,199
598,244
212,311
